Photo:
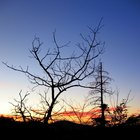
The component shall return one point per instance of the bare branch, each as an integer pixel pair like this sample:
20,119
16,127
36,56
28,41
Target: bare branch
63,72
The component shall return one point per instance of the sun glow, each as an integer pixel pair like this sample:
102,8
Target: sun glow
5,108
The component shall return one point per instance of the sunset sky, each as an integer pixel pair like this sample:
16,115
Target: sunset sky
22,20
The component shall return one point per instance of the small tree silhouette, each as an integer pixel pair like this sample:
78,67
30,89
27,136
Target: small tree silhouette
133,120
20,108
80,113
119,114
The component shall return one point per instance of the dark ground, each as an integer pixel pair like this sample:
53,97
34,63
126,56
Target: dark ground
66,130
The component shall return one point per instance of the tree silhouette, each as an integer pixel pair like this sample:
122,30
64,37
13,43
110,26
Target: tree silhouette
81,113
119,113
98,93
133,120
21,111
62,73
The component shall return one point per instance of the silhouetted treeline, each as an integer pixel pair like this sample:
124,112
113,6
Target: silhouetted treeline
66,129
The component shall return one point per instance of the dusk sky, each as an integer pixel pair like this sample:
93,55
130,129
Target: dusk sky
22,20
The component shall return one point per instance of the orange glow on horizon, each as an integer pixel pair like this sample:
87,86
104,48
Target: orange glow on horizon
75,116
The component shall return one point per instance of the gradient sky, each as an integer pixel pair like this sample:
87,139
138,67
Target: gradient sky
21,20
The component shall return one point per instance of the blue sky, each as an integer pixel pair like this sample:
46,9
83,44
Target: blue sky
21,20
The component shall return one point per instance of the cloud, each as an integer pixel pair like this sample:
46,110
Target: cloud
90,113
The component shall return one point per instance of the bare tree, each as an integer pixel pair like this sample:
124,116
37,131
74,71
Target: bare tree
119,111
40,112
20,108
98,93
81,113
62,73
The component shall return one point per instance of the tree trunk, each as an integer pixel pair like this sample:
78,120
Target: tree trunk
102,102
